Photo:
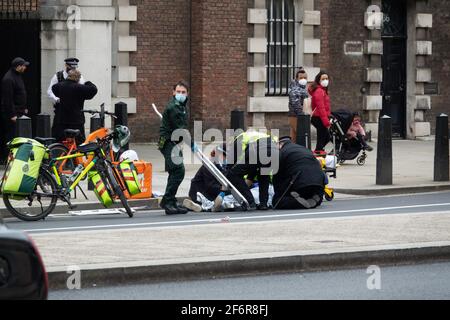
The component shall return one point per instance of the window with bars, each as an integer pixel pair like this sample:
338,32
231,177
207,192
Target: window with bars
281,47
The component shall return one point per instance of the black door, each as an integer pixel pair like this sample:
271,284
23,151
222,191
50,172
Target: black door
394,65
21,38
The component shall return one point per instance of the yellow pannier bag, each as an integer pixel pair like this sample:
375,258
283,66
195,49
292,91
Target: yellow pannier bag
22,171
100,189
130,177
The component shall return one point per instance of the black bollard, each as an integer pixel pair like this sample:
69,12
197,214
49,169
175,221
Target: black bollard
121,113
43,128
96,123
384,152
441,151
304,130
24,127
238,120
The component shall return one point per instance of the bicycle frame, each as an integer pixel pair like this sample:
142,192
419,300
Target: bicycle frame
92,161
71,144
88,166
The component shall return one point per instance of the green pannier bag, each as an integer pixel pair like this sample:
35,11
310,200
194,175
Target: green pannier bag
21,174
130,177
100,189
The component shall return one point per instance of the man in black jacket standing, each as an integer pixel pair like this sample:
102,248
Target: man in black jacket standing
70,63
300,181
72,95
13,101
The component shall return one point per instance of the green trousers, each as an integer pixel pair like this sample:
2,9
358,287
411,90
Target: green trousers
174,166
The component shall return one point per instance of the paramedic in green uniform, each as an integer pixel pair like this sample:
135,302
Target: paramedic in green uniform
175,117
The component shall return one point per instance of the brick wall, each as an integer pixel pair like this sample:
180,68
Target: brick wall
440,60
342,22
219,60
162,59
19,6
216,64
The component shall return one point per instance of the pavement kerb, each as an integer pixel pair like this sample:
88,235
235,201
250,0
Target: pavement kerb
259,264
150,204
397,190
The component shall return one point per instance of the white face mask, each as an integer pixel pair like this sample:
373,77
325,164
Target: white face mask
324,83
303,82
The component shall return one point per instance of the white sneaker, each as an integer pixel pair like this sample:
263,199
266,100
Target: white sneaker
218,204
191,205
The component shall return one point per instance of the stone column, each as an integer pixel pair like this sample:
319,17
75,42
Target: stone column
82,29
257,46
373,48
422,49
123,44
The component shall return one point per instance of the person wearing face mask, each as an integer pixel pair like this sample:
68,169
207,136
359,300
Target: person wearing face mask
174,118
321,111
297,94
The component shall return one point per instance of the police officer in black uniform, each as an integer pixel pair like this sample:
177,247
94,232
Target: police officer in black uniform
60,76
175,117
73,95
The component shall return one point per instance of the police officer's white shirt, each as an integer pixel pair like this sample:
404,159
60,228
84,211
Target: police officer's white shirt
54,81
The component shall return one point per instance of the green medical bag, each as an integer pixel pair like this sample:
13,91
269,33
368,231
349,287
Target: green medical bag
130,177
24,162
100,189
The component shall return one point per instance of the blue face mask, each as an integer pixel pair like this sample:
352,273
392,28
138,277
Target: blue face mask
180,98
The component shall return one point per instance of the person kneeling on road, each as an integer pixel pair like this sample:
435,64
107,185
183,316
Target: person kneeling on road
206,184
300,181
253,154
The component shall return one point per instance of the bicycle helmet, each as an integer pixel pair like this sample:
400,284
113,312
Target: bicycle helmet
129,155
121,137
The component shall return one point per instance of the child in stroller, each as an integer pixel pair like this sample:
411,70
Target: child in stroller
349,137
356,131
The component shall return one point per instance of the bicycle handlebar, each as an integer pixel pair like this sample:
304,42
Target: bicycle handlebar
94,112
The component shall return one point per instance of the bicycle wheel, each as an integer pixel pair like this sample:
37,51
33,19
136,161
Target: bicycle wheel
39,204
59,150
117,189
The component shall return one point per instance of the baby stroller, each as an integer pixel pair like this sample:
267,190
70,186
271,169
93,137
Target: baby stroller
345,149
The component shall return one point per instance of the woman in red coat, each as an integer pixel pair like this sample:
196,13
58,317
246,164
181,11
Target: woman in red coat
321,110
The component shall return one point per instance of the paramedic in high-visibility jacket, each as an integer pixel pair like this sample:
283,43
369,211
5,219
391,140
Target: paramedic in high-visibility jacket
175,117
255,155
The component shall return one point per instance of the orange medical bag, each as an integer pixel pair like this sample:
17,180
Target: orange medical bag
144,171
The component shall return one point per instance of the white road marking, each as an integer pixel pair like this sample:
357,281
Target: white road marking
246,218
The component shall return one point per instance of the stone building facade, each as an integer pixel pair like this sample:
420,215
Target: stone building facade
383,56
223,49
